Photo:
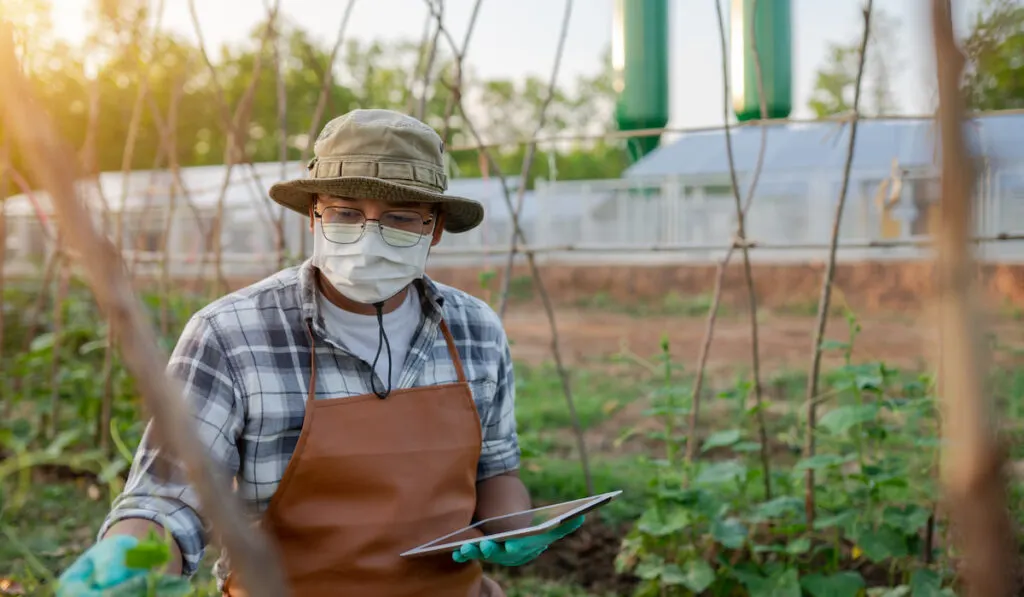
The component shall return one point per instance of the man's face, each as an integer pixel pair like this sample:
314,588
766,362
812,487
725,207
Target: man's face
425,216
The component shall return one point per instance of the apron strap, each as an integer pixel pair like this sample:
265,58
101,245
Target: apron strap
312,362
453,352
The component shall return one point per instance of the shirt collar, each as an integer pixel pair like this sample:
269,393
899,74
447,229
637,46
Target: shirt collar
431,299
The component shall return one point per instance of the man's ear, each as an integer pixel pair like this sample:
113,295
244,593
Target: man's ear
312,209
438,228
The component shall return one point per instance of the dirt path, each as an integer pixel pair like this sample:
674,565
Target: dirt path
591,335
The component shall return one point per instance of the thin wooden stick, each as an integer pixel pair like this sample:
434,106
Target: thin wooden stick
826,283
59,297
321,103
741,213
5,166
531,150
429,64
538,281
741,234
233,127
282,141
973,461
53,163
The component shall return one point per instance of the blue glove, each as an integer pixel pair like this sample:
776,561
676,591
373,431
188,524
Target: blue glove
101,572
100,568
515,552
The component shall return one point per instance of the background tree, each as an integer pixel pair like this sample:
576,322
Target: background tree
995,50
835,80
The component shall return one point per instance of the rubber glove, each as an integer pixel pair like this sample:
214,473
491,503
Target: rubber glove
100,568
515,552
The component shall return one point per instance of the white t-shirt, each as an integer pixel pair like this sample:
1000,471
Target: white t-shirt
360,334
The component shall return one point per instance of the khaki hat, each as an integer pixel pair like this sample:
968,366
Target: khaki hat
381,155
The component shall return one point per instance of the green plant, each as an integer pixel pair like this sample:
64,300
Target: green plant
707,529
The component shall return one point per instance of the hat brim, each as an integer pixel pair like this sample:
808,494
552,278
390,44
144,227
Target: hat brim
460,214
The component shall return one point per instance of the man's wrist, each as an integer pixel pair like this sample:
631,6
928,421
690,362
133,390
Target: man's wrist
140,528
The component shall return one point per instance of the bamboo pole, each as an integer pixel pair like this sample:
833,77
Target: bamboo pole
321,104
53,163
826,285
742,208
973,459
531,150
549,311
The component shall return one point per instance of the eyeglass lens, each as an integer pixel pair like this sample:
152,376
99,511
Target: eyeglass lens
400,228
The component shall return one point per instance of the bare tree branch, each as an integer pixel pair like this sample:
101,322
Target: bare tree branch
52,161
973,461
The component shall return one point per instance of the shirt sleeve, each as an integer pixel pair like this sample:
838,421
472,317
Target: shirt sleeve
157,488
500,451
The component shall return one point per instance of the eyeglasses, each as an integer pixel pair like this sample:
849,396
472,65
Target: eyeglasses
400,228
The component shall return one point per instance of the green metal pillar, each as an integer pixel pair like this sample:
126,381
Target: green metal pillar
774,38
640,61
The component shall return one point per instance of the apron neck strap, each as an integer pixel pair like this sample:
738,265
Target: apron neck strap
452,352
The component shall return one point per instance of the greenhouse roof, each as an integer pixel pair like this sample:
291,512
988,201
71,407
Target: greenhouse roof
822,146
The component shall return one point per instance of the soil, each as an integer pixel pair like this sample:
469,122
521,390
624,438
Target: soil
590,335
585,558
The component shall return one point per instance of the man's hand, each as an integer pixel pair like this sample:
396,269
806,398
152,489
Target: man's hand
101,568
515,552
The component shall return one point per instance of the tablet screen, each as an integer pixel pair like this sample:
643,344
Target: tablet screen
518,524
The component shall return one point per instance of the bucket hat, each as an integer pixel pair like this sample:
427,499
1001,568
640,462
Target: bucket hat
381,155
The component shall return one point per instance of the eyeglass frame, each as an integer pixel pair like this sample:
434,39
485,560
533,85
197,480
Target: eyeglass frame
431,219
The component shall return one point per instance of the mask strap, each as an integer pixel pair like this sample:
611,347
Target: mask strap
382,341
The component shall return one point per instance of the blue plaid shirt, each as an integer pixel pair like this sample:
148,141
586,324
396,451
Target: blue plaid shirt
244,363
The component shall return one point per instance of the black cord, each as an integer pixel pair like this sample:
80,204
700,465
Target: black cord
382,341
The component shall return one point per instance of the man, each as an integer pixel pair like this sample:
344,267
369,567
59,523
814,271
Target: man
362,408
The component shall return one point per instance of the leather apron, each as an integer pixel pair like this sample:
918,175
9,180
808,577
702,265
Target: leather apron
372,478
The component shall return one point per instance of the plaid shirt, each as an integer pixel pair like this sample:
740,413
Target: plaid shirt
244,361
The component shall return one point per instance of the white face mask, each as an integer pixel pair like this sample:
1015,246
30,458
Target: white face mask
370,270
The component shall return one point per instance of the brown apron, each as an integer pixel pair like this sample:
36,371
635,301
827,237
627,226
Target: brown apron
371,478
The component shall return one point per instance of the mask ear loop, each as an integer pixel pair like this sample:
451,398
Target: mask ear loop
382,341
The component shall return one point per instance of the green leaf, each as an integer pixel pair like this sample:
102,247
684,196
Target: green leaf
63,440
92,346
840,520
842,584
747,447
655,524
722,439
112,470
777,508
696,575
909,519
821,461
834,345
799,546
730,532
650,568
882,544
838,421
147,555
718,473
785,583
925,583
41,342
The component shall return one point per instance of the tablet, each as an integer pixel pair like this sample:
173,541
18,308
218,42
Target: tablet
518,524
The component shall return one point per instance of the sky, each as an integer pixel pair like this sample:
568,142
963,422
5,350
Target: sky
514,38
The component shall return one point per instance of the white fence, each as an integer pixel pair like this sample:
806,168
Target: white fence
620,221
